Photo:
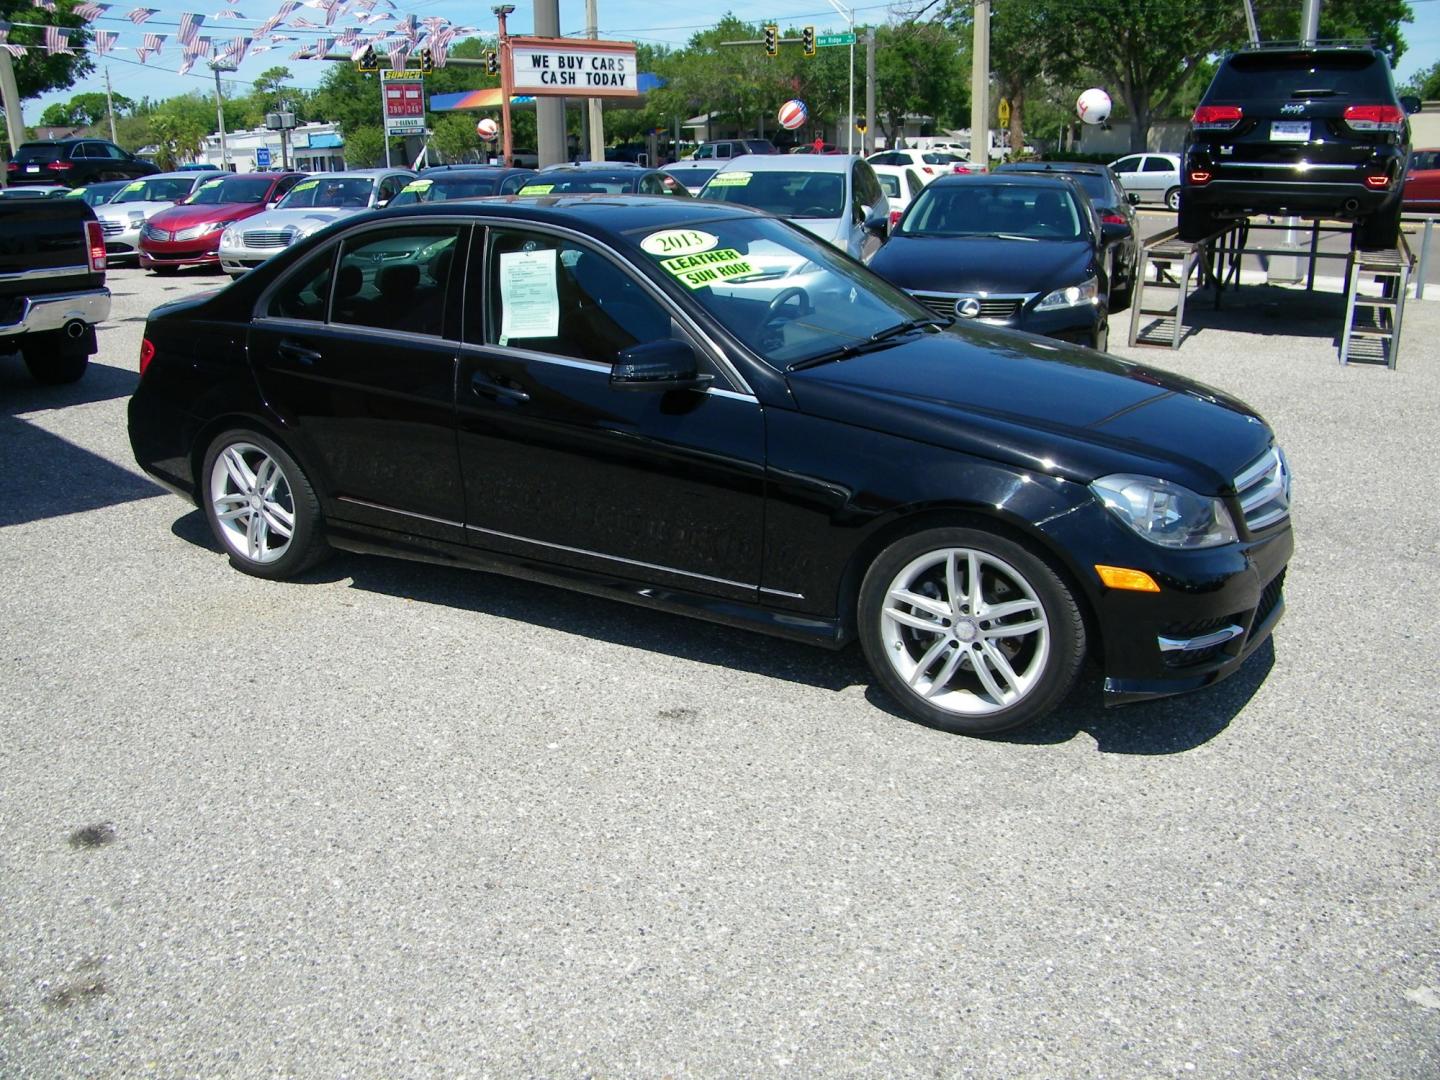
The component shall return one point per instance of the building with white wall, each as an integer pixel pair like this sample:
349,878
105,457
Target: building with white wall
316,147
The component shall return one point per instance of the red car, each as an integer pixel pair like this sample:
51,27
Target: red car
1421,194
189,234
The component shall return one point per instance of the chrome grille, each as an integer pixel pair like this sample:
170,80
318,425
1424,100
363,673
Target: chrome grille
992,308
266,238
1264,490
112,228
154,233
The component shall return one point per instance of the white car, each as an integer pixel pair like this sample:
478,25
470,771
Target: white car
834,196
122,218
901,183
310,205
927,163
1153,177
693,174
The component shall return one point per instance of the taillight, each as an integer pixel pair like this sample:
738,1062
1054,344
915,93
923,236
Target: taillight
147,353
928,170
1375,117
95,242
1216,117
13,166
1377,182
60,166
1199,177
894,218
1112,218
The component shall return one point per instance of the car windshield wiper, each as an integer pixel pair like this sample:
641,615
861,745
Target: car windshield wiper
880,337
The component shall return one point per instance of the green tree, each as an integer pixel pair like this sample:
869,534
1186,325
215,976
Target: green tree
84,110
364,147
920,68
1425,84
177,137
455,137
37,73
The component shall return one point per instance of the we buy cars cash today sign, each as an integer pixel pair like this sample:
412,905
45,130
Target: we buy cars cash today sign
573,68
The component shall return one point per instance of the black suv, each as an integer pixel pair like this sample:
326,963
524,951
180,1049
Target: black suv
1315,131
74,162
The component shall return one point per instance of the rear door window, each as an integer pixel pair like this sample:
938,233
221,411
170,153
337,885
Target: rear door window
1158,164
1126,165
306,291
396,279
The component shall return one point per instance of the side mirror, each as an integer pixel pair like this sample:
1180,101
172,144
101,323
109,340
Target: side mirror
657,365
1133,198
1113,231
877,220
1410,103
382,204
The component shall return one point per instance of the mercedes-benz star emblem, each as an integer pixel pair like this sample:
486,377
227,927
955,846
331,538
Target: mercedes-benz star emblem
968,308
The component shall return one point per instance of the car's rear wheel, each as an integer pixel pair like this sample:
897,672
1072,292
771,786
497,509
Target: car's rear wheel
49,361
261,506
1378,231
969,631
1172,198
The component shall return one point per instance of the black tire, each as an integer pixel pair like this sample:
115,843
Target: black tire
1172,198
1196,223
291,493
1010,574
49,361
1378,231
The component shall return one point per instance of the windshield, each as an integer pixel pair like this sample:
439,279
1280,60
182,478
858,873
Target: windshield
582,182
797,194
442,188
237,189
1036,213
158,189
353,191
97,194
1284,75
785,294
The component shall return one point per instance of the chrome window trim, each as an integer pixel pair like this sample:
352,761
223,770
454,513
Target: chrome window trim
612,558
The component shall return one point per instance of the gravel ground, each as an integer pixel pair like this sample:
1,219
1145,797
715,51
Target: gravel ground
399,820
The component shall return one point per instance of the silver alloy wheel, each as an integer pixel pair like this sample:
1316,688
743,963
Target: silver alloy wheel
965,631
1172,198
251,498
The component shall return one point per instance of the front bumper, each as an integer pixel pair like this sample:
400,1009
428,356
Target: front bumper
1215,606
1268,184
38,315
124,242
1081,325
198,252
238,260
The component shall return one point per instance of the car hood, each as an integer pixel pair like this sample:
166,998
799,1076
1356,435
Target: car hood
1040,404
831,230
280,219
975,264
185,217
122,211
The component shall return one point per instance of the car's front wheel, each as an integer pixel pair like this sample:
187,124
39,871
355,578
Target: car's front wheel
969,631
261,507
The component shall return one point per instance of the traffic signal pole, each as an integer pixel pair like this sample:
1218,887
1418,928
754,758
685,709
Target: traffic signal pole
507,144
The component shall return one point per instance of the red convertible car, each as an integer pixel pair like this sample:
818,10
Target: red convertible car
189,234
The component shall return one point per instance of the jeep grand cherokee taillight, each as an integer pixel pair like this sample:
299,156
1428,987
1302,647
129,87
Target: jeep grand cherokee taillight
1216,117
1375,117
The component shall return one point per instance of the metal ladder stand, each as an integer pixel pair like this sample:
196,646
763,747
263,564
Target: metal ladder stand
1163,252
1373,314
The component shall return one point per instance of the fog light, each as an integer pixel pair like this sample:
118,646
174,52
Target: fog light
1377,181
1118,577
1199,176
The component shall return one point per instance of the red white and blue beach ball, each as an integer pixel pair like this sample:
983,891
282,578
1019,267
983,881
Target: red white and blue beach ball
793,114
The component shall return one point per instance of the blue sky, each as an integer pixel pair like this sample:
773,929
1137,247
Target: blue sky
638,20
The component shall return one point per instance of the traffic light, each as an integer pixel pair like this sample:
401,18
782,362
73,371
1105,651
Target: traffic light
368,60
772,40
492,63
427,61
807,41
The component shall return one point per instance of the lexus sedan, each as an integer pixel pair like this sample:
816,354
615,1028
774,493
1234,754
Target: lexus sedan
311,205
1020,250
578,390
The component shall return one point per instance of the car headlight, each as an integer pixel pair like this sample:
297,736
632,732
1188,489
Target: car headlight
1087,292
196,231
1165,513
230,238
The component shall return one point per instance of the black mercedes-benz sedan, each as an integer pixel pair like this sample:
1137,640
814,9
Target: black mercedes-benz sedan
1022,250
699,407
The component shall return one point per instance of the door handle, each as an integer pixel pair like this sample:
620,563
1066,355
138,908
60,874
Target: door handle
482,384
299,353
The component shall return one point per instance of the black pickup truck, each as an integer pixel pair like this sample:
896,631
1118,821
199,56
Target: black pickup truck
52,285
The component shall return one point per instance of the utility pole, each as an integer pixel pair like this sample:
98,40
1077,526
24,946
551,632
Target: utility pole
1250,23
1309,22
502,45
849,17
869,140
980,88
217,66
593,105
109,104
10,97
549,111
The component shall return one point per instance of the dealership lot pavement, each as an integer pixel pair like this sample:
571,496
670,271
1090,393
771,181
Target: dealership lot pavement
398,820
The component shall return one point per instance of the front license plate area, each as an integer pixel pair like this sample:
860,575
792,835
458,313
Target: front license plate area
1290,131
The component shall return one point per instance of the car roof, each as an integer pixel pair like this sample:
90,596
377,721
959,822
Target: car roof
188,174
823,163
1053,166
1007,179
473,170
